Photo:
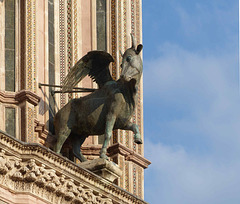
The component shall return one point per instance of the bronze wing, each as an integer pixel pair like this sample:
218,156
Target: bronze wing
95,64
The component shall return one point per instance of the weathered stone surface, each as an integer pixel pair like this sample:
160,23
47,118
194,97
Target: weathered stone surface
38,173
106,169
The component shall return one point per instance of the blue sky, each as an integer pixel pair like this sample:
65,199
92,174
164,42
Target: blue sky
191,101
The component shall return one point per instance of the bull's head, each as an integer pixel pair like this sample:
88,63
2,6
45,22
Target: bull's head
132,63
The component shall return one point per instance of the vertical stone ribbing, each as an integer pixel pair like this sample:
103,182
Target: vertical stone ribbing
30,123
125,24
62,46
120,25
114,50
139,98
23,42
114,36
132,17
121,165
125,46
34,56
126,179
34,50
134,179
69,39
140,182
29,45
139,102
120,49
75,35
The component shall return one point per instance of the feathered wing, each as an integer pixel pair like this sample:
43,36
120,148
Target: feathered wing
95,64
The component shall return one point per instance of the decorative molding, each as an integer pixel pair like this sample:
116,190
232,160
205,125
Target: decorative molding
140,182
35,170
29,45
43,133
26,95
69,40
75,35
114,38
30,125
126,179
114,51
121,162
23,17
19,97
134,179
91,150
129,155
62,45
104,168
140,97
8,97
34,57
125,24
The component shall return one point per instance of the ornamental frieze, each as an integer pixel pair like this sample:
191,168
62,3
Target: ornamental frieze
36,170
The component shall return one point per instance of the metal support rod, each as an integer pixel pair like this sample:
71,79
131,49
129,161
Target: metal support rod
76,88
80,91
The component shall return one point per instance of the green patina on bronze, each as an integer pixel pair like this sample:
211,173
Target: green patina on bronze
108,108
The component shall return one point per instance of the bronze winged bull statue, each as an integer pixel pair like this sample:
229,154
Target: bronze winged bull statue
108,108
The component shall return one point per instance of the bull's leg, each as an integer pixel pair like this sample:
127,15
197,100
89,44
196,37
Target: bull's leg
61,135
133,127
77,142
107,136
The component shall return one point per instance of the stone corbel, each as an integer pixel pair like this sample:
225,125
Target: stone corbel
19,97
26,95
129,155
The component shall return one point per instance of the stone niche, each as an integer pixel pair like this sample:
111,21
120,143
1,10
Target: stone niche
31,173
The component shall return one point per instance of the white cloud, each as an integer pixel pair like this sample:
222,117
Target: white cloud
177,177
205,88
192,106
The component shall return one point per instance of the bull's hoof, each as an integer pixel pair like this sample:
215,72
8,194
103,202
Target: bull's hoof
138,140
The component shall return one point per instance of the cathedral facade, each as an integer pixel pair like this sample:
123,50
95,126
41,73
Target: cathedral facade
40,40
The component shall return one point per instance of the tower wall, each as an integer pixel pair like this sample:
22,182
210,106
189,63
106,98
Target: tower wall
48,38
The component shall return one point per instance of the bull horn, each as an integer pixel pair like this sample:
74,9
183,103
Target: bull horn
133,41
121,53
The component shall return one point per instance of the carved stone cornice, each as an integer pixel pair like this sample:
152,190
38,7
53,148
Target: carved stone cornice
8,97
26,95
129,155
92,150
35,170
19,97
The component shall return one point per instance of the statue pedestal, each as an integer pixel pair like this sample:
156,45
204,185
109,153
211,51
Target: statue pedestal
106,169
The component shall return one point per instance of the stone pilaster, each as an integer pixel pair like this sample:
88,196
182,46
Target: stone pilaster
27,100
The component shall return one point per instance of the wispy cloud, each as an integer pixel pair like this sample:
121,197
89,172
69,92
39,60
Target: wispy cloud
194,151
192,103
179,177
